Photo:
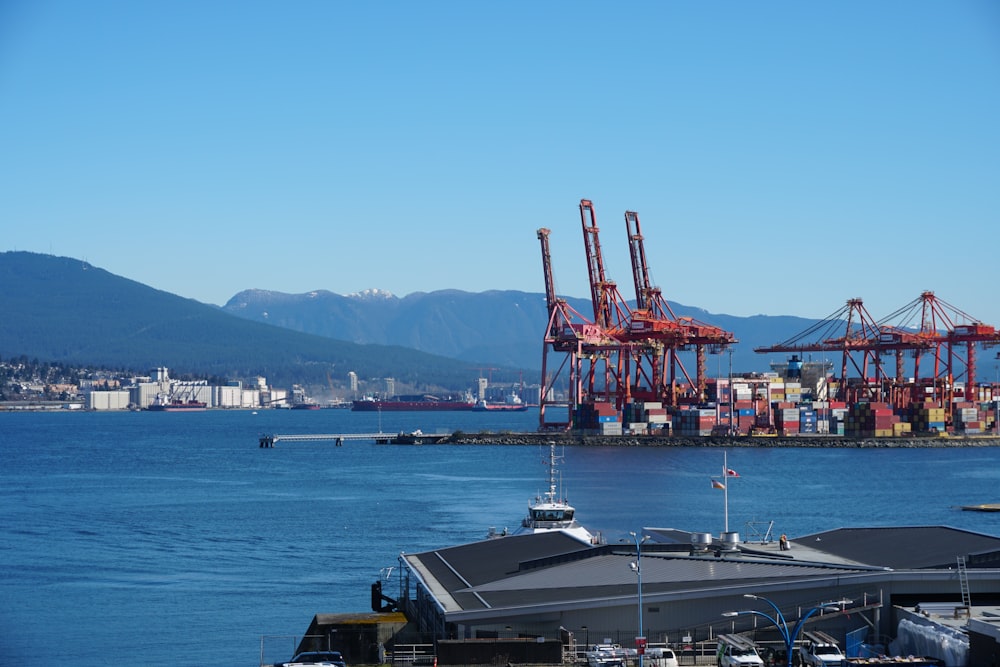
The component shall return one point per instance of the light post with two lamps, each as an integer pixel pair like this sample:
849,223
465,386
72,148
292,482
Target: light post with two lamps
640,639
788,635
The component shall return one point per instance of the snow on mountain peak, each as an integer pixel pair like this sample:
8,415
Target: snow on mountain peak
372,295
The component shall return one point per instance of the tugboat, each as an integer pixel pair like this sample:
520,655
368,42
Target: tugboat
550,512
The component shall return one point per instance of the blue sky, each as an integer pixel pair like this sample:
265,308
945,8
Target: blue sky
783,157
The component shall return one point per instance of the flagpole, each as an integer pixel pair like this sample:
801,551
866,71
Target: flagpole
725,489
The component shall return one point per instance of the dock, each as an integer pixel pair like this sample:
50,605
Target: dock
269,440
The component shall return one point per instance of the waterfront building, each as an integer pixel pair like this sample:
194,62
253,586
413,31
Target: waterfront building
547,585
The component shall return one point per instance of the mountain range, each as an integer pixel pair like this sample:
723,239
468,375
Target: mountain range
500,328
61,309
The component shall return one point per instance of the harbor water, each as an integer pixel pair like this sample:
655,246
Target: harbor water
173,539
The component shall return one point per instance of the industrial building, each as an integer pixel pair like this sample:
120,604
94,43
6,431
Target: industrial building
850,583
159,386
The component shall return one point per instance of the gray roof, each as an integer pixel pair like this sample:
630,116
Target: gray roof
553,568
905,548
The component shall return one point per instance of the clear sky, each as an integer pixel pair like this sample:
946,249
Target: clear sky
783,157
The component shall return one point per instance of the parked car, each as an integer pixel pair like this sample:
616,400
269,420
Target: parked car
736,651
315,659
821,652
606,655
660,657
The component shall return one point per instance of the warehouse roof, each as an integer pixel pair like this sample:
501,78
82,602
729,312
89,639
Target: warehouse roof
553,568
905,548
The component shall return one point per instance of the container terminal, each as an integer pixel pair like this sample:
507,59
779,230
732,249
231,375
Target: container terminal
912,373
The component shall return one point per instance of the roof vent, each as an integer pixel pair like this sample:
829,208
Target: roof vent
730,541
700,542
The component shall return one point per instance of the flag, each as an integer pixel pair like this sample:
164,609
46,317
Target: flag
731,473
716,484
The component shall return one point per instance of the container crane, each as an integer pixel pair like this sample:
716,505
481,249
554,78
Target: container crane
577,339
860,334
945,330
611,312
925,325
653,317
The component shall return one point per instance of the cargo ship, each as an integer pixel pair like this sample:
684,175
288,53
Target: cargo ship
412,404
178,406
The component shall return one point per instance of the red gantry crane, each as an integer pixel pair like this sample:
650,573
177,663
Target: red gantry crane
650,335
850,331
574,337
654,321
611,312
945,331
926,325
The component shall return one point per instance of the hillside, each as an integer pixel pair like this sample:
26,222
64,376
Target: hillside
66,310
499,328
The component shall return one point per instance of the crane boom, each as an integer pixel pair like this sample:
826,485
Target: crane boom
550,284
647,297
610,311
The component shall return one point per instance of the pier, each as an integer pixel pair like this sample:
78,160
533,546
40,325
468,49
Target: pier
268,441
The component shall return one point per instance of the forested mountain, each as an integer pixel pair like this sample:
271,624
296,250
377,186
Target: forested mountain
65,310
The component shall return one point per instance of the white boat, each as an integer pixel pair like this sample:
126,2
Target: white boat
551,512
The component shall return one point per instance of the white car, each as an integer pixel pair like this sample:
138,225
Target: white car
660,657
821,654
656,655
735,651
606,655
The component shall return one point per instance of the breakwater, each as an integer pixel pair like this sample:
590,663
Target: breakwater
760,442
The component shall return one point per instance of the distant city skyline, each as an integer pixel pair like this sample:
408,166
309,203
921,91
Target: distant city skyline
784,157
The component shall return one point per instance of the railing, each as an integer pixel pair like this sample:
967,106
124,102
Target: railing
413,654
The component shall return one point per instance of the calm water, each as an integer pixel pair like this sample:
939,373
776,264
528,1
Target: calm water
176,534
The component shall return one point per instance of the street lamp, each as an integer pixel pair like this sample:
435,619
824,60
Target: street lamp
640,639
788,635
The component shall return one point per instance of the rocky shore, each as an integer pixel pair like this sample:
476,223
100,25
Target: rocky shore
460,438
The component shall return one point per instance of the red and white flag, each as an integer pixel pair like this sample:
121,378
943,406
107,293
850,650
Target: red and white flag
731,473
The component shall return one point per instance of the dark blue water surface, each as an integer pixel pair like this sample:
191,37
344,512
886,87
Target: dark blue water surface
176,536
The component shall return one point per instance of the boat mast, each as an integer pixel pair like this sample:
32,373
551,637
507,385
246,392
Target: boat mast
552,473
